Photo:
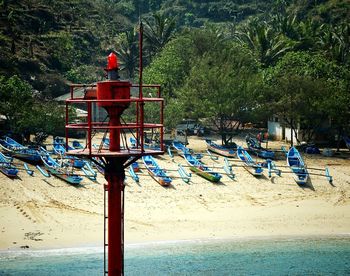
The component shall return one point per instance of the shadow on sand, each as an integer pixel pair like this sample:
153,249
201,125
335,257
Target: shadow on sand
308,185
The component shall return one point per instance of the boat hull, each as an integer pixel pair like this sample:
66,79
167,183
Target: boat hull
256,171
263,153
12,173
250,165
71,179
300,175
297,166
221,152
205,174
29,157
160,180
156,172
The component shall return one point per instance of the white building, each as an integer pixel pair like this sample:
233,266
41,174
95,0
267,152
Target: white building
280,131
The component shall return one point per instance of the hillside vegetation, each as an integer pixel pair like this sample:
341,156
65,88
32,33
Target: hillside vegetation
219,60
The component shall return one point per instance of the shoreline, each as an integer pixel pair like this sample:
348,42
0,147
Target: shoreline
95,248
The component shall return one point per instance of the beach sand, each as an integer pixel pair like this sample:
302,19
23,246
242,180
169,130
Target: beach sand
41,212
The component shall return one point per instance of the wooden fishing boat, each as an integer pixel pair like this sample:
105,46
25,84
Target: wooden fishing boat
156,172
96,161
248,163
19,151
255,147
297,166
181,148
77,145
57,170
200,169
59,148
150,145
6,167
221,150
135,167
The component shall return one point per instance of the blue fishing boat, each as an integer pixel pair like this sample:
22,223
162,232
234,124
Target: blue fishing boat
149,145
155,171
17,150
200,169
62,172
255,147
221,150
96,160
297,166
59,148
105,142
181,148
76,145
6,167
248,163
135,167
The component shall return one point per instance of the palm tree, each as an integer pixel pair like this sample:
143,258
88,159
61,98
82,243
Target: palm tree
128,53
336,41
263,41
158,32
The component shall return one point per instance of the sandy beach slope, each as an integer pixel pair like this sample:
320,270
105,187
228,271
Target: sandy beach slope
44,212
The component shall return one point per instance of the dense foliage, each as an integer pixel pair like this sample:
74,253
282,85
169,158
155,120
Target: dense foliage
27,114
225,62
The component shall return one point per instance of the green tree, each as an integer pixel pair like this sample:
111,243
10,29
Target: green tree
222,87
26,114
158,31
169,69
43,119
128,52
335,41
308,89
171,65
266,44
16,97
299,100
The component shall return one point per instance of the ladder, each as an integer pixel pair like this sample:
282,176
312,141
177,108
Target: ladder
105,227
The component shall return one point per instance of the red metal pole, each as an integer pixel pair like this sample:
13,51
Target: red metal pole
115,176
89,126
137,124
161,122
67,122
114,134
140,87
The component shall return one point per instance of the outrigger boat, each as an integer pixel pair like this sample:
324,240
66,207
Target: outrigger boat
255,147
249,164
297,166
96,161
57,170
6,167
59,148
151,146
156,172
181,148
221,150
200,169
19,151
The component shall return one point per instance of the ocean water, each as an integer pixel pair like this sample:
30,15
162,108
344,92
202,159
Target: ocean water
282,256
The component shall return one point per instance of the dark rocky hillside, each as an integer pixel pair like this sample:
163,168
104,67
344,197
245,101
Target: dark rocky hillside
49,42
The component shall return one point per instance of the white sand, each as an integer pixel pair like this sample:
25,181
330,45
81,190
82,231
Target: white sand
47,212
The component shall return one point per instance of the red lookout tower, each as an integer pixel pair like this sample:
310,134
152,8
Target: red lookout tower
115,97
